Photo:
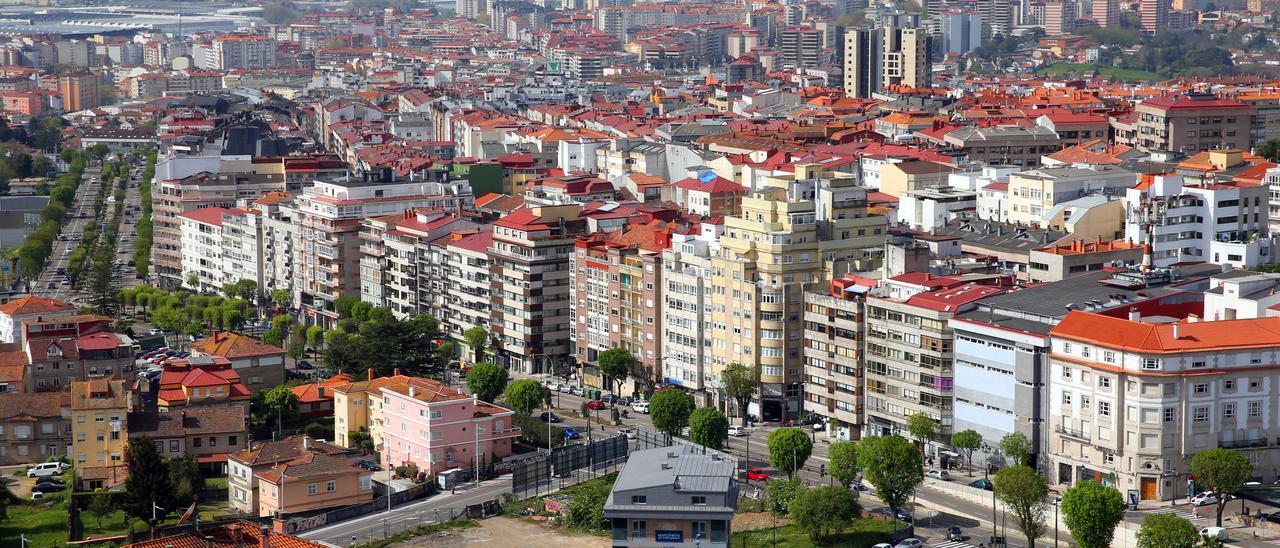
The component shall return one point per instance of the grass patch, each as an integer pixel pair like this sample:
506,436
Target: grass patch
864,533
455,525
1114,73
42,526
605,481
215,484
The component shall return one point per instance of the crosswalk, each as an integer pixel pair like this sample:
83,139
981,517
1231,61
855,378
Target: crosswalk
1186,514
952,544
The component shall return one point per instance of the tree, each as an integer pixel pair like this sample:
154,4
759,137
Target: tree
280,403
780,492
244,289
99,151
186,479
1270,150
148,481
1091,512
616,363
342,305
476,337
315,336
788,449
1223,471
739,384
824,510
1023,492
844,465
297,345
1017,448
967,441
101,504
923,428
445,353
708,427
486,380
669,410
281,297
360,311
892,465
1167,531
525,395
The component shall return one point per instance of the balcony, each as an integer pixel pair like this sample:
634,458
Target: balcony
1072,432
1239,444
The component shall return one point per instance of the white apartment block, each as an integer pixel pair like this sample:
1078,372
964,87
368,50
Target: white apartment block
202,248
686,273
1222,223
468,283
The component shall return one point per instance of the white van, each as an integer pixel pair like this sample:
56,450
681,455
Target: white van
640,407
46,469
1219,533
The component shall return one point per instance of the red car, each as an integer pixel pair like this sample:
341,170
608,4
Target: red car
596,404
757,474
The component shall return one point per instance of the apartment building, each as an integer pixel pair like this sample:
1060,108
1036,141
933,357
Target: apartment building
438,427
615,295
1223,223
801,47
100,410
60,351
14,313
530,317
1005,145
1191,123
330,215
795,230
686,287
910,349
398,269
199,381
906,57
467,292
1035,194
244,466
209,434
79,91
833,354
202,248
1132,401
34,427
238,51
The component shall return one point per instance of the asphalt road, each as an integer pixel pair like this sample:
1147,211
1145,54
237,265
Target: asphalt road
81,214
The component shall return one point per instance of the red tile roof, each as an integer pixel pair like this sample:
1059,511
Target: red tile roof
32,304
1158,338
207,215
236,535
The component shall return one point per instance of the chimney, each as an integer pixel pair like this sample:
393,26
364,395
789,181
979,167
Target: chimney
397,372
370,373
1193,318
412,392
306,443
1176,335
1134,315
266,537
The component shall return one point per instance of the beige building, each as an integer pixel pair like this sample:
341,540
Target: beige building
1008,145
1034,195
795,230
833,352
100,410
244,466
1191,123
1132,401
34,427
310,482
898,179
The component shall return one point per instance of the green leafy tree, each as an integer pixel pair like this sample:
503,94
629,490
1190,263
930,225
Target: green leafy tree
1023,492
923,428
844,465
616,363
1091,512
739,383
708,427
824,510
1222,470
281,297
1166,530
525,395
486,380
186,479
297,345
779,493
1017,448
342,305
360,311
278,403
342,351
586,510
967,441
1270,150
789,448
148,480
101,504
669,410
892,465
476,338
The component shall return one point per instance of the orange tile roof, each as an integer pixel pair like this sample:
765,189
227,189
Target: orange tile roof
310,393
235,535
32,304
1158,338
233,345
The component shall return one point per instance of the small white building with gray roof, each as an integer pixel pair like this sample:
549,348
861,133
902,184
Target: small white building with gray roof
672,496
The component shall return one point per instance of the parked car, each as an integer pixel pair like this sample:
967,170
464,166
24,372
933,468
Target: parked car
368,465
1204,498
954,533
46,469
910,543
578,391
36,495
571,434
54,480
609,398
47,488
1219,533
52,285
737,431
640,407
549,417
156,332
982,484
938,474
623,401
630,433
597,404
304,364
898,513
549,383
757,474
565,388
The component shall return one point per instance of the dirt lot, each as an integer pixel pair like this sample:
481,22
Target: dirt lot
750,521
501,532
18,485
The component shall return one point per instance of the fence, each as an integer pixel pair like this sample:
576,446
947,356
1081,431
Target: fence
294,526
410,521
535,473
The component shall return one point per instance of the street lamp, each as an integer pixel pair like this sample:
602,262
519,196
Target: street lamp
1057,501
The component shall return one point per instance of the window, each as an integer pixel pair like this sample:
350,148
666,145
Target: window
1151,363
1066,398
173,446
195,442
1104,382
1169,414
213,442
331,486
1229,385
639,499
231,440
1200,388
1200,414
638,528
699,529
1229,410
1066,373
1104,408
1108,356
311,488
1254,384
699,500
436,413
1108,458
1255,409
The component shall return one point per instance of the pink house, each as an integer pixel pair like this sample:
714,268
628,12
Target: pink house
437,428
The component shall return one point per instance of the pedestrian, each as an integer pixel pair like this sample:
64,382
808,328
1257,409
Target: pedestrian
1195,511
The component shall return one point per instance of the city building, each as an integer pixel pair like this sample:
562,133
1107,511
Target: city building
202,248
439,428
100,409
208,434
79,91
60,351
833,355
30,307
244,466
312,481
906,57
34,427
961,32
673,496
1223,223
467,292
801,46
685,279
238,51
259,365
200,380
1191,122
